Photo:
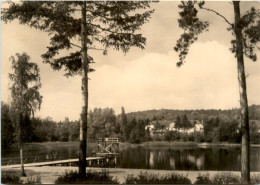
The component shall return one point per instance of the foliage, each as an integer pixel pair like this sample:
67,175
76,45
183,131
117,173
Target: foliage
249,23
192,27
198,114
229,131
102,123
198,137
172,136
7,129
178,122
32,180
14,179
25,85
226,178
203,179
150,178
255,179
10,179
217,130
26,98
185,123
49,130
254,112
223,178
109,24
92,177
254,133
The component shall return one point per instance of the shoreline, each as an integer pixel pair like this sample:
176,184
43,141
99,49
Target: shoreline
45,145
180,143
49,174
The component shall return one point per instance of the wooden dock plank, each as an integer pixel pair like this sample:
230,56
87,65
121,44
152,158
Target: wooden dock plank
51,162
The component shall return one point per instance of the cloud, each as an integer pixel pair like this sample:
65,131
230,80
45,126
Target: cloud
141,80
207,80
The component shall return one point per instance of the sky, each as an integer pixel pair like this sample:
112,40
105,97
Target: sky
142,79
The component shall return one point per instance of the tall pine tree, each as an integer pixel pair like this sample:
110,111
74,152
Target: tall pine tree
82,25
246,36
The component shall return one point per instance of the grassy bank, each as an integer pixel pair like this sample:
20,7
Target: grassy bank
49,174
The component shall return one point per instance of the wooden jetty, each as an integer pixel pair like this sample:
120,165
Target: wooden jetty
51,163
108,150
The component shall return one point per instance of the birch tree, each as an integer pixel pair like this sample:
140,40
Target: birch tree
26,99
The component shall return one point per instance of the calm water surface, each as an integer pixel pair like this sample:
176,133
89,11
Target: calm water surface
187,158
154,157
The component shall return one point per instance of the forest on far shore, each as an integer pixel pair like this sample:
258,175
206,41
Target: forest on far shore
219,126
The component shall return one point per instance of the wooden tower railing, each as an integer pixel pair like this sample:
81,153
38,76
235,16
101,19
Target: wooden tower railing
108,146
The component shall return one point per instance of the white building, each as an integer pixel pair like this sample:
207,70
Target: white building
197,127
149,127
172,127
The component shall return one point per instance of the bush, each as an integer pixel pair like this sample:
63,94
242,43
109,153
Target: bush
172,136
255,179
226,178
146,178
191,137
203,179
32,180
14,179
10,179
184,137
92,177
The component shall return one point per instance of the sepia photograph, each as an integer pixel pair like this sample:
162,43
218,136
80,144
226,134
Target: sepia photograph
130,92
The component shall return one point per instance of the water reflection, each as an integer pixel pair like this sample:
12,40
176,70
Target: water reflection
186,158
160,157
151,159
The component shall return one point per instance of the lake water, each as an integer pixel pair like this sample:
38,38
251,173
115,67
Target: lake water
154,157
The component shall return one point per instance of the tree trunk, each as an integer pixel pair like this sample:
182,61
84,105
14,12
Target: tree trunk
20,122
84,88
245,148
21,158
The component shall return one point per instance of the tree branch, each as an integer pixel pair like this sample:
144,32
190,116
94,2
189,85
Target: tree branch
88,47
103,29
218,15
107,30
75,45
96,48
93,12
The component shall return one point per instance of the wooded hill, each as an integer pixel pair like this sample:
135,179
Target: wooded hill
199,114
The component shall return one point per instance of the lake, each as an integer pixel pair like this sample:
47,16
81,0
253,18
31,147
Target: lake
222,158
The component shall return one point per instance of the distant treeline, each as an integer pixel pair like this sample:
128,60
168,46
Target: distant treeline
201,114
35,129
219,125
